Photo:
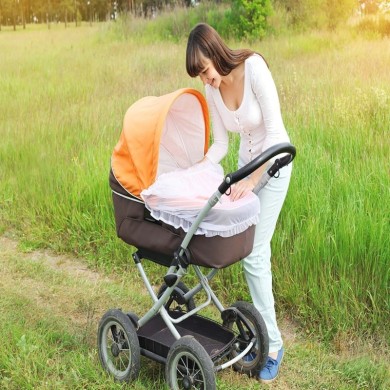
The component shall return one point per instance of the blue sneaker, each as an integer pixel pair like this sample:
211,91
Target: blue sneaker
271,369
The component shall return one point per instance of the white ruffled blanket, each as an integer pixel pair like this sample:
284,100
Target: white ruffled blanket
177,197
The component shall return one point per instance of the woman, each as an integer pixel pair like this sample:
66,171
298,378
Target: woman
242,98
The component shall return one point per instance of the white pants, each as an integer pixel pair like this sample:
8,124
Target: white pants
257,266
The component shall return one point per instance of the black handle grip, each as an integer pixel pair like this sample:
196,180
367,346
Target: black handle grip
246,170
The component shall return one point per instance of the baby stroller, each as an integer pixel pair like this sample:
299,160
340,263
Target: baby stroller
159,135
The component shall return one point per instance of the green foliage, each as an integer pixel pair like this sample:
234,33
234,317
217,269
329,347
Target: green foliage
248,18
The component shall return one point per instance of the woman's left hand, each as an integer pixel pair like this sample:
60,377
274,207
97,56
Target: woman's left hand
242,188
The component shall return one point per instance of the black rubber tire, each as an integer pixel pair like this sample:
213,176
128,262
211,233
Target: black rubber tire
172,303
189,366
260,350
118,346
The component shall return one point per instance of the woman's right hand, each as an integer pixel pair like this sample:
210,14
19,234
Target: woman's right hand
241,189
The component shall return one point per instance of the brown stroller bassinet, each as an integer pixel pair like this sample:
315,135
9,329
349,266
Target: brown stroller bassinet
161,134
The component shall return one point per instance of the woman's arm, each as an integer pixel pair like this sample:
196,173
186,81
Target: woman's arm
220,146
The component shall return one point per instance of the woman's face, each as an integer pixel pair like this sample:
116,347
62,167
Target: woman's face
209,74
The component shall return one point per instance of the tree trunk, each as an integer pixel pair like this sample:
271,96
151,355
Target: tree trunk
23,15
48,14
14,15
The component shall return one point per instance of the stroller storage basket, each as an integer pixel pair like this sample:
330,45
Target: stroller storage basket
156,338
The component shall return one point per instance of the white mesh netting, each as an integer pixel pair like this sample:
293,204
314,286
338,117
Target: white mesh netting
177,197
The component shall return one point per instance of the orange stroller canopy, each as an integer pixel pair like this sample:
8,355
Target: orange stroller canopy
160,134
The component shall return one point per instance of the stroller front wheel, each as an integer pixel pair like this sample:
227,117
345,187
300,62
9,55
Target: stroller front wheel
118,346
189,366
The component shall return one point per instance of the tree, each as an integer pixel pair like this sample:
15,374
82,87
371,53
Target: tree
65,8
248,18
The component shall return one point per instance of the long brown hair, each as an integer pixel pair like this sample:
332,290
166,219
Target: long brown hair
205,41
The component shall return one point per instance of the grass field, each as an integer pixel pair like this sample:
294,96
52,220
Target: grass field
63,94
48,333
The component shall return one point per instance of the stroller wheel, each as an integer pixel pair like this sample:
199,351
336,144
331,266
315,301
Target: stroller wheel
176,300
257,329
118,346
189,366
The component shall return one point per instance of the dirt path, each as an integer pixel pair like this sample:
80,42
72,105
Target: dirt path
65,263
53,285
89,286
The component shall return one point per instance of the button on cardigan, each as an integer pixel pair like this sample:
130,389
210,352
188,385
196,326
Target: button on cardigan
258,120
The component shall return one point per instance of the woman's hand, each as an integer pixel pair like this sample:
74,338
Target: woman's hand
242,188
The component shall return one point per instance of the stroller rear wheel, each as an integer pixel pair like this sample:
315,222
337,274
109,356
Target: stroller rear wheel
118,345
176,300
257,357
189,366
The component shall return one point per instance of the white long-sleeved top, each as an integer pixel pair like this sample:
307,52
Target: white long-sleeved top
258,119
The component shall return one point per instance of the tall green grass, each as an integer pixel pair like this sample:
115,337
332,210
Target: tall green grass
63,94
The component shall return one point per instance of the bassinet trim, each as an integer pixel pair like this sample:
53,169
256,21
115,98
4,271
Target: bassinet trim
134,199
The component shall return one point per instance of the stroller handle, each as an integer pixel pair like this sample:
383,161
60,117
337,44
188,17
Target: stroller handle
246,170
